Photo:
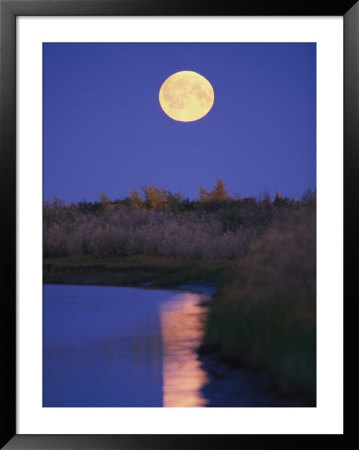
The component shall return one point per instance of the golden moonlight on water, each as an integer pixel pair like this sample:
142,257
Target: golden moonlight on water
186,96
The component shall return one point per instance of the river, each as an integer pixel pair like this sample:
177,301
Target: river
134,347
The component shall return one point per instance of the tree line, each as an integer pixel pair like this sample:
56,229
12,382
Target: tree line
156,222
157,198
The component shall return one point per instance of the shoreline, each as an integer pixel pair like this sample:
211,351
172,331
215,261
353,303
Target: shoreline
133,271
246,387
251,338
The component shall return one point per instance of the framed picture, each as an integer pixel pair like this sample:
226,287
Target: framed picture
174,201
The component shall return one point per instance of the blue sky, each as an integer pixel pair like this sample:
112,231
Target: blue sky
105,130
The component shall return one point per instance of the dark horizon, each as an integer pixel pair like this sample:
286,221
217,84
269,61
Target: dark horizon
196,198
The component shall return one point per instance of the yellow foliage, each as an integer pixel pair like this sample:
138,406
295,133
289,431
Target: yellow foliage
156,197
219,193
136,199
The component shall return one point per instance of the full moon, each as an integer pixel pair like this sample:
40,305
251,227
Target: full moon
186,96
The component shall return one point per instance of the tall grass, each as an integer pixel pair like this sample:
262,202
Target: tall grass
265,318
211,230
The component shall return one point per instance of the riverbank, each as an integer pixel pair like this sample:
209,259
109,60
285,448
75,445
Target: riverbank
267,332
238,387
134,271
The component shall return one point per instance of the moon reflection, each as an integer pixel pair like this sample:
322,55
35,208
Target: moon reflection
182,328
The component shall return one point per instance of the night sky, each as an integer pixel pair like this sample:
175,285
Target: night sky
105,130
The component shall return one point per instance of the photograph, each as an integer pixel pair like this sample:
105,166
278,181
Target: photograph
179,224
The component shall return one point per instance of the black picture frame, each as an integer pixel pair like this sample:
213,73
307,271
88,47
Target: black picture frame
9,10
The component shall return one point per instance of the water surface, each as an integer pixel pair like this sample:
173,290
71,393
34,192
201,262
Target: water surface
116,346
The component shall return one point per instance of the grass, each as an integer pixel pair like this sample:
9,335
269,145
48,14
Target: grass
264,314
274,334
131,271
